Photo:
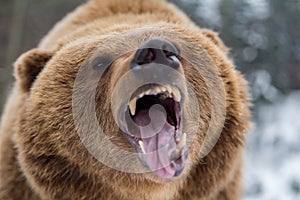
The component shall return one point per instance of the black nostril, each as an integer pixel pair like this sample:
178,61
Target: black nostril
156,51
145,56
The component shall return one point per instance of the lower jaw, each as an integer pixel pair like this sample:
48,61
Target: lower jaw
162,177
165,173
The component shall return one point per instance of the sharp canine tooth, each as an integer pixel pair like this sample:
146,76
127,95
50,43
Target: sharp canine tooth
142,146
132,106
182,142
176,94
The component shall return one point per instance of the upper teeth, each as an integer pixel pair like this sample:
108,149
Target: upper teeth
171,92
176,95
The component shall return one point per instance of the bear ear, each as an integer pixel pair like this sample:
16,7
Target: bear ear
213,36
29,65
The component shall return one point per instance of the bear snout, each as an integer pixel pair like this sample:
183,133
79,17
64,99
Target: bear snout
156,51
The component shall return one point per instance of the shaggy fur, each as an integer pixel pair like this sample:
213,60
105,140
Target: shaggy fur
41,155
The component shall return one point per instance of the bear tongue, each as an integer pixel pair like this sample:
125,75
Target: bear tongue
158,139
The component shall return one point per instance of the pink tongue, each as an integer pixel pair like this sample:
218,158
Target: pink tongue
158,138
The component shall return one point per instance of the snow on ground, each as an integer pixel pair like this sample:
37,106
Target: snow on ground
272,164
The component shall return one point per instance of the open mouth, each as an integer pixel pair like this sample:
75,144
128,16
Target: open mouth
153,127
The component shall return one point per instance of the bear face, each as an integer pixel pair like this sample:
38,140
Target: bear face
154,111
48,138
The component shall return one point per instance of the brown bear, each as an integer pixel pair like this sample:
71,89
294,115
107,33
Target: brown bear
125,100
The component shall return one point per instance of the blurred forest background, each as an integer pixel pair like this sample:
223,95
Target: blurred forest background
264,36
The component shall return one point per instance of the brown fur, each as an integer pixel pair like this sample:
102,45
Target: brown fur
41,155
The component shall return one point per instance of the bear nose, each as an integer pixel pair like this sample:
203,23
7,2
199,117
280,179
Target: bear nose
156,51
